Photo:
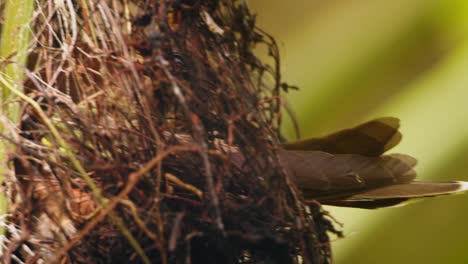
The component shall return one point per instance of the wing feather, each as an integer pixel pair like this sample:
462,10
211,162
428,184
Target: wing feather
372,138
400,194
323,176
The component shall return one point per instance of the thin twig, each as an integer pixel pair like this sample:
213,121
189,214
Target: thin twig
132,181
199,137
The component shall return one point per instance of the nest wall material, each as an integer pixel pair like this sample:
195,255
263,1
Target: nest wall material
140,105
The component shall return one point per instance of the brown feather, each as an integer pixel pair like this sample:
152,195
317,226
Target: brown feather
324,176
368,204
347,168
414,189
372,138
399,194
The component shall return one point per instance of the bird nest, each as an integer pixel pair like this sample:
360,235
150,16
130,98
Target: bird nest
130,113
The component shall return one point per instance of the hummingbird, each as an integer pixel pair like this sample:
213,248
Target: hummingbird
350,168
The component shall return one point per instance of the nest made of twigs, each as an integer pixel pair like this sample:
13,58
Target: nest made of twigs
125,150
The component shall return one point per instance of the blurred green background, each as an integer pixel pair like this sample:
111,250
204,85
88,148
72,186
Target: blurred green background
360,59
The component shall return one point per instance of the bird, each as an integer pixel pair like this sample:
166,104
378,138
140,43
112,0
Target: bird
349,168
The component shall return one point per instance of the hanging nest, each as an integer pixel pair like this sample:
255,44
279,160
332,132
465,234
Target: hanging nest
125,147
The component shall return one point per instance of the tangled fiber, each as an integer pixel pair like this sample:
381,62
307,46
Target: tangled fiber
130,113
